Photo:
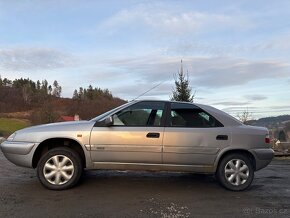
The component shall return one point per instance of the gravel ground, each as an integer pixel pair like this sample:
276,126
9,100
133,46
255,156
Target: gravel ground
145,194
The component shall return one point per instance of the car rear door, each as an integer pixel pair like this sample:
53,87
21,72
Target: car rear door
192,136
135,137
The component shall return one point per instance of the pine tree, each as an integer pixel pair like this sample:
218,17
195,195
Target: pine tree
49,90
56,89
75,95
90,92
38,85
44,86
81,93
182,91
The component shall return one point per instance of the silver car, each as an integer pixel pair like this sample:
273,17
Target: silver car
144,135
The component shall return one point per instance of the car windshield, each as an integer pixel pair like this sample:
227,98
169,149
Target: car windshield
102,116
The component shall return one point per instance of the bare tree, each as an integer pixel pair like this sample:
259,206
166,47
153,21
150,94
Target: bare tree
27,93
245,116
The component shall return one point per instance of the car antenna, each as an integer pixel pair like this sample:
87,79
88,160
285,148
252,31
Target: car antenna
147,91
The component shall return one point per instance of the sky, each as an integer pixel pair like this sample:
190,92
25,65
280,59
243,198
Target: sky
236,53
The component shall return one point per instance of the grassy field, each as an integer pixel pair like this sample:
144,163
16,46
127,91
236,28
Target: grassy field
10,125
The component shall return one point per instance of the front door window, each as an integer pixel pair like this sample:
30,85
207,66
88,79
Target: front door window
140,114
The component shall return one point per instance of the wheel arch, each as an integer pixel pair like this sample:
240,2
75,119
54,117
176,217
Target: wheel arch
51,143
237,151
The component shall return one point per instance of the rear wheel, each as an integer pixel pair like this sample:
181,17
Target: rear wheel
59,169
235,172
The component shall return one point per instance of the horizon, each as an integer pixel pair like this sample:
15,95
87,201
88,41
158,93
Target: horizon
236,53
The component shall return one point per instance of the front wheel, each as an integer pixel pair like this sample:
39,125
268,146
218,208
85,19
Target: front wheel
235,172
59,169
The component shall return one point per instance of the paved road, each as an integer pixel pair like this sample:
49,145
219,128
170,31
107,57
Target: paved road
143,194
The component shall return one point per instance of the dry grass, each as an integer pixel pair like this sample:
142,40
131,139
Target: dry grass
17,115
10,125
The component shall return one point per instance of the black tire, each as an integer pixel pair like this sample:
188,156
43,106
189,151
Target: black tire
73,171
224,178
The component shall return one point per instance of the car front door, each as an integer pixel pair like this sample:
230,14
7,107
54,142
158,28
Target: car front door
192,136
135,136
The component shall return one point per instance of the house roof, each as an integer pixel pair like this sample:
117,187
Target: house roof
67,118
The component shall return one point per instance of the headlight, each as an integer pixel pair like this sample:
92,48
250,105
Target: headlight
11,137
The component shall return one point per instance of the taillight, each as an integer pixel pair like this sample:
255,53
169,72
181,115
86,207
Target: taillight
267,139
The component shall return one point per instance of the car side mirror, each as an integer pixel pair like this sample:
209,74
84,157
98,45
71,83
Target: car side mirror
109,121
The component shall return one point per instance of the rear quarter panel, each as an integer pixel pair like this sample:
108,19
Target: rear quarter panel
249,137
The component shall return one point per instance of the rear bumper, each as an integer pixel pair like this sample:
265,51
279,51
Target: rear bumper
19,153
263,157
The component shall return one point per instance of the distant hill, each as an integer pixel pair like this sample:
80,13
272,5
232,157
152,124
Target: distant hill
270,122
39,102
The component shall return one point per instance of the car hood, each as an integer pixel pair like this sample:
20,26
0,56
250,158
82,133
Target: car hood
61,126
55,130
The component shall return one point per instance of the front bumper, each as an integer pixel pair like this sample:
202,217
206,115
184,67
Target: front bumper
19,153
263,157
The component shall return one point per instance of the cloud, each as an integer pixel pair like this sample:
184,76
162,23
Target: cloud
281,107
170,21
231,103
34,59
237,105
278,44
259,110
255,97
240,108
222,72
205,72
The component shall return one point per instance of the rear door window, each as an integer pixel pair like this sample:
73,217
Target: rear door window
188,115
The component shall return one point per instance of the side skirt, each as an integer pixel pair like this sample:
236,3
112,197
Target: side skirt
153,167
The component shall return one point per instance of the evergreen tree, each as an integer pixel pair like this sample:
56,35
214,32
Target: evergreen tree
44,86
90,93
81,93
38,85
75,95
56,89
49,89
6,82
85,94
182,91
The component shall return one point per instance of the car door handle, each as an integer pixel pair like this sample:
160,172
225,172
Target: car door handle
222,137
153,135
